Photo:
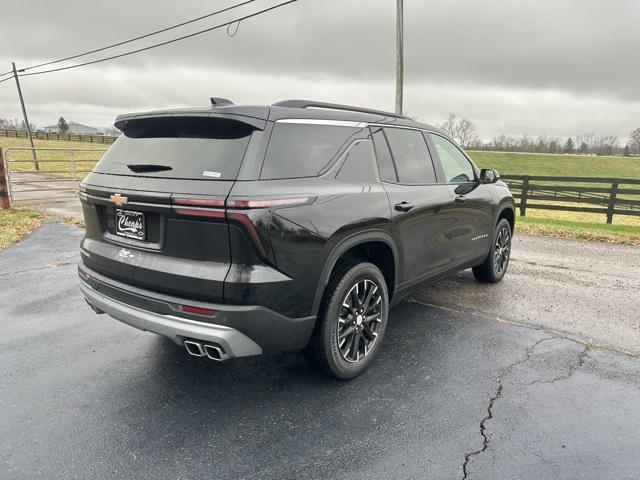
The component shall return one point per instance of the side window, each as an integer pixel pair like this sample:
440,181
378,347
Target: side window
383,155
303,150
411,156
455,165
359,163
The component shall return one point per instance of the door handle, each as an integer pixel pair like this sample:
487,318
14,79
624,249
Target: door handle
403,206
461,199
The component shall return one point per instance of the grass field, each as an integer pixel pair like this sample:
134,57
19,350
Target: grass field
53,159
15,224
558,165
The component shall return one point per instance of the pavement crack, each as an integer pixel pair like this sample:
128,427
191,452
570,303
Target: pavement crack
500,383
572,369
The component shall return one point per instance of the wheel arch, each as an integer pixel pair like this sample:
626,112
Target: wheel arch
353,244
508,212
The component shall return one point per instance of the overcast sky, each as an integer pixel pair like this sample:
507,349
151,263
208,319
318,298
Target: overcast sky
561,67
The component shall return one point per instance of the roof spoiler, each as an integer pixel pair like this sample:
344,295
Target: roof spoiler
334,106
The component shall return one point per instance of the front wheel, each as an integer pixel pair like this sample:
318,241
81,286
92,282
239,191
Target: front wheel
352,321
495,265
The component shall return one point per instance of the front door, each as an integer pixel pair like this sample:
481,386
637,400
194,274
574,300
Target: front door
471,208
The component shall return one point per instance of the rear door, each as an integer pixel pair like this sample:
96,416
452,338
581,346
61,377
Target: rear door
471,208
417,200
154,204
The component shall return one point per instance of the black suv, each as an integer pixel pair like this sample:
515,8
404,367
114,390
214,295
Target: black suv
242,230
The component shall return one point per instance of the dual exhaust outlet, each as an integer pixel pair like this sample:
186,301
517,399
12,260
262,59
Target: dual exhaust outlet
202,349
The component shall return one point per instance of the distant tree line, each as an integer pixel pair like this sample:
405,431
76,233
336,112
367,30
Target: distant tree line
14,124
464,132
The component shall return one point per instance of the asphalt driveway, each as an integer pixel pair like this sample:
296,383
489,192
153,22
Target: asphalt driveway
465,386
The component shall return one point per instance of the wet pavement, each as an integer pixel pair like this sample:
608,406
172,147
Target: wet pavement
525,379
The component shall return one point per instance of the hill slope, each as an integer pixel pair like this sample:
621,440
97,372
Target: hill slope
508,163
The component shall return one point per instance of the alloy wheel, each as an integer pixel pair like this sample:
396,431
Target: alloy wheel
501,251
359,320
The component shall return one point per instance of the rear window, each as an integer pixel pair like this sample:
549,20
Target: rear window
303,150
181,148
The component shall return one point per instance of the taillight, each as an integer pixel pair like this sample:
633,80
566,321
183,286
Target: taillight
200,212
267,203
198,202
197,310
198,207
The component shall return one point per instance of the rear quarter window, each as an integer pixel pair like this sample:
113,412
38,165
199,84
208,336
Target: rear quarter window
299,150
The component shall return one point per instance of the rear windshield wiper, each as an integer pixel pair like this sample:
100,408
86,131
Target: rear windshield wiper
148,167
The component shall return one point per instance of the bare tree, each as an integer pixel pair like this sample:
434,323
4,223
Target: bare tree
449,125
465,132
554,145
589,141
462,130
634,140
605,144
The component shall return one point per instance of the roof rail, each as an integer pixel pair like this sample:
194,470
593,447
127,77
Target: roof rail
334,106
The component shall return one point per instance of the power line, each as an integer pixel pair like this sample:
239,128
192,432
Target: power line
138,38
231,22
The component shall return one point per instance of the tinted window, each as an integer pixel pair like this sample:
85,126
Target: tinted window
456,166
411,156
383,156
359,163
194,148
303,150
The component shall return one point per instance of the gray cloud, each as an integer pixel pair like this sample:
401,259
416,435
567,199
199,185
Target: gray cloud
554,68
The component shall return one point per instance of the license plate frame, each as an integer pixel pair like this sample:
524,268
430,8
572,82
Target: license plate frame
130,224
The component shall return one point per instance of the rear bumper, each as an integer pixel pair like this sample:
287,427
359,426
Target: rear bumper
240,330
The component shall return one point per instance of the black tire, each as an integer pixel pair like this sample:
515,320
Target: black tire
327,347
493,269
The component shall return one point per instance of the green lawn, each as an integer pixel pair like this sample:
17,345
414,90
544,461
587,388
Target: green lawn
53,159
16,224
585,230
558,165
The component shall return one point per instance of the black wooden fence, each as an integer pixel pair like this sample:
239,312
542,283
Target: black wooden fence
608,196
69,137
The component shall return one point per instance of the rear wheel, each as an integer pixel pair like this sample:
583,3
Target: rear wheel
495,265
352,321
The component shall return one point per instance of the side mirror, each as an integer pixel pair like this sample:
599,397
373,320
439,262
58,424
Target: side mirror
489,175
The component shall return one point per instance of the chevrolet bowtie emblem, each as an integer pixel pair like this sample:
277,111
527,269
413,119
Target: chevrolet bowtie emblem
118,199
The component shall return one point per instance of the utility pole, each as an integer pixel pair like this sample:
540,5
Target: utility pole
26,119
399,56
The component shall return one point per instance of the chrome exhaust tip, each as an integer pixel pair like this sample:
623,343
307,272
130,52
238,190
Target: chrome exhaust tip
213,352
194,348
